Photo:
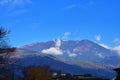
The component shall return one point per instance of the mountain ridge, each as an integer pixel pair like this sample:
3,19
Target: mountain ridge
83,59
76,50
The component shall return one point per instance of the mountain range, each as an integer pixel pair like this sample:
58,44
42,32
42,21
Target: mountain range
83,50
75,57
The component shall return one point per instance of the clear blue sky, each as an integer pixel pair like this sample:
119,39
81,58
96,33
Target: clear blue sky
44,20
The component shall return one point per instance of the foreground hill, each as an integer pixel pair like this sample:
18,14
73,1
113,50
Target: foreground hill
26,58
67,67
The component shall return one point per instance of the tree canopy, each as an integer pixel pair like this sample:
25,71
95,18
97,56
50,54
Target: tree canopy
3,38
5,49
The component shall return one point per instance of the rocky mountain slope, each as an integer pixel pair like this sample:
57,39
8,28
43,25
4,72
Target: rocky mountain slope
83,50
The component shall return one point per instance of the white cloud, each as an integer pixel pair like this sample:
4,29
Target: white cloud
98,37
79,6
14,2
66,35
19,2
117,48
14,7
72,55
105,46
54,50
58,43
17,12
117,41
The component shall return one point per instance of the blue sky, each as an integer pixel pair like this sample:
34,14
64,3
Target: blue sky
44,20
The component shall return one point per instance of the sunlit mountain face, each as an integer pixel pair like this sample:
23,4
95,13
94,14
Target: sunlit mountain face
81,50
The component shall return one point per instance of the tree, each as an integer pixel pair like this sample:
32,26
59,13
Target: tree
37,73
3,35
118,73
5,49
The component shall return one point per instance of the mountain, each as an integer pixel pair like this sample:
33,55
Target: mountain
80,50
75,57
114,60
38,46
67,67
19,53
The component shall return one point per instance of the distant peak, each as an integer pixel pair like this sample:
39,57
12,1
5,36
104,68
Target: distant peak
86,40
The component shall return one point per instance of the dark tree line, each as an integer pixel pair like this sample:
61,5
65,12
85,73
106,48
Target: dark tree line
5,48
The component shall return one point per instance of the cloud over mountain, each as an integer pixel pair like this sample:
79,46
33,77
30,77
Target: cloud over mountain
66,35
105,46
72,55
98,37
54,50
117,41
117,48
